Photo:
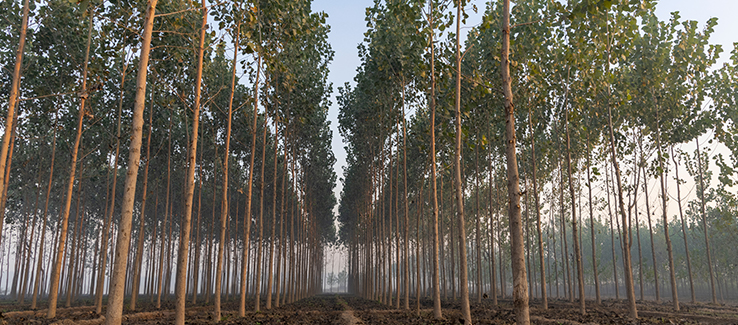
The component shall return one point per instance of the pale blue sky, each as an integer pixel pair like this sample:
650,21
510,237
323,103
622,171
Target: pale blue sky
346,18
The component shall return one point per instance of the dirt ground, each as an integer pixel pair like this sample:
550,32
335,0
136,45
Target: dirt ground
352,310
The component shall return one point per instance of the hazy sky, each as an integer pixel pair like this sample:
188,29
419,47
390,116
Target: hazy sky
346,18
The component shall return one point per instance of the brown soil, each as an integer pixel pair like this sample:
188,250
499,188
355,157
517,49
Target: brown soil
351,310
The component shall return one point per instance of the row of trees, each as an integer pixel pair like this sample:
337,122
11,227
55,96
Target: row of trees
250,92
586,113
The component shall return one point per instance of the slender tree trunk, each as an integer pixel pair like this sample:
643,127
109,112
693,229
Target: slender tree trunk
627,264
612,235
4,197
249,191
704,221
684,230
595,271
110,210
12,102
70,275
575,236
117,286
224,203
180,289
142,221
564,239
42,238
280,248
520,286
198,249
478,236
421,205
167,212
640,251
464,282
650,231
436,290
544,295
56,271
260,242
26,279
492,275
672,275
406,264
270,273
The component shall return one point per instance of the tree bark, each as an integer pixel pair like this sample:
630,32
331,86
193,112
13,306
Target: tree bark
520,286
115,303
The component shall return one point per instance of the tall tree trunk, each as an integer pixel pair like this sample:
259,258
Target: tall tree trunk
492,275
56,271
672,275
280,250
436,290
142,221
704,221
180,289
224,203
247,216
564,239
650,231
544,295
270,274
640,251
612,235
4,197
478,235
260,242
110,210
115,301
595,271
464,282
520,286
70,270
627,263
167,212
574,230
198,250
421,205
406,269
12,102
684,230
42,238
26,279
625,237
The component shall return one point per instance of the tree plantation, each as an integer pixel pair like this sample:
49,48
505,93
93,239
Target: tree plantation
549,162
